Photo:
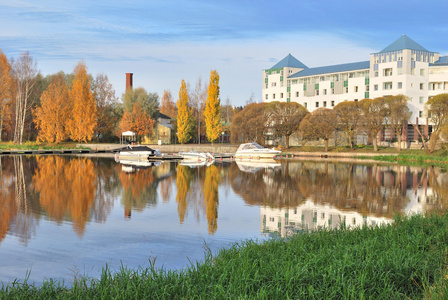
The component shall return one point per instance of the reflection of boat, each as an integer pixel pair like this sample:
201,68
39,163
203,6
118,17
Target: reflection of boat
197,156
255,151
255,166
137,152
132,165
196,164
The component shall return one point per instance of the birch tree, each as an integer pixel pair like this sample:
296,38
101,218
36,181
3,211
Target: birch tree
82,122
212,112
24,72
106,104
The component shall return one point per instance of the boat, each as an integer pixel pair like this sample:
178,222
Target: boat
134,165
196,164
197,156
137,152
255,151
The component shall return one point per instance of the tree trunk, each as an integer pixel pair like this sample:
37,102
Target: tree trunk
326,145
287,141
399,141
375,144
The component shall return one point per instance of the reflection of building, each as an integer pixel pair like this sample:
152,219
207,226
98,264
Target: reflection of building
310,216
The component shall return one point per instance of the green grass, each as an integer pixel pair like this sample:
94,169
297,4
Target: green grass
405,260
414,157
6,146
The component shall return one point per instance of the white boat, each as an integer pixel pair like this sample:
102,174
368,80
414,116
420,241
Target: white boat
137,152
195,164
255,151
196,156
133,165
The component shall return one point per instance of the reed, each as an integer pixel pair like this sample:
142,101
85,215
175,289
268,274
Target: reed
404,260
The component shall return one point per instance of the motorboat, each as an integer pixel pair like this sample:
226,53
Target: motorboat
195,164
196,156
254,151
137,152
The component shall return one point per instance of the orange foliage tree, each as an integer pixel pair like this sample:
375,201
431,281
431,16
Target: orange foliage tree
138,121
168,106
82,121
212,111
5,88
51,116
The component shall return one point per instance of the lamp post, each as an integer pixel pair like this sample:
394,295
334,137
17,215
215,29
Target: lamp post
222,137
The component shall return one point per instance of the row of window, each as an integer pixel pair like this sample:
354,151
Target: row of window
389,86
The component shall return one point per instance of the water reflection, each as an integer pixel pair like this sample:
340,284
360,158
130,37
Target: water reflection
292,196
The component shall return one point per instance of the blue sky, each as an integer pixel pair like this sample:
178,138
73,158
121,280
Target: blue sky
163,42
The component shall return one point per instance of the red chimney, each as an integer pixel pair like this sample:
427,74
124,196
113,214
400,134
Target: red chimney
129,81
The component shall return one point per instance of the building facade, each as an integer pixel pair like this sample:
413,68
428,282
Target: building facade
403,67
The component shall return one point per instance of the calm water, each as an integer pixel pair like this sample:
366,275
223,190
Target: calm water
64,216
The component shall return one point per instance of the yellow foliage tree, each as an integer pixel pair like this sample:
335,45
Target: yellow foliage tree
212,111
51,116
5,87
211,197
82,121
183,115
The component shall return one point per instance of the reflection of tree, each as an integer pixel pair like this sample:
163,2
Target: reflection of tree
107,188
183,180
211,197
16,201
438,180
139,189
67,188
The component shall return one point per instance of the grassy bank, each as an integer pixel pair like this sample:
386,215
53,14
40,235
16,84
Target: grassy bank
439,158
37,146
405,260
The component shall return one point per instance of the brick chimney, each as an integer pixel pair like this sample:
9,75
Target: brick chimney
129,81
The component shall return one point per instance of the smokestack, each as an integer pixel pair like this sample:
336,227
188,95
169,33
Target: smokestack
129,81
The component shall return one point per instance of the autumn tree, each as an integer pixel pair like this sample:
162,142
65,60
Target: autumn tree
183,115
285,118
24,73
249,124
197,103
53,112
148,101
83,111
5,89
126,122
320,124
211,197
398,114
106,104
142,122
168,106
374,114
212,108
349,119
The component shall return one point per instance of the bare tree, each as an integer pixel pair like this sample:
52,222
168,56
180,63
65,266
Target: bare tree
24,71
285,117
197,101
374,114
398,114
349,119
320,124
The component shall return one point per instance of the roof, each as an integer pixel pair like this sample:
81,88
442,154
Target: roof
163,116
443,60
290,62
404,42
333,69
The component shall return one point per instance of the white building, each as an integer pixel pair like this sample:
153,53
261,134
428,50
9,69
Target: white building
403,67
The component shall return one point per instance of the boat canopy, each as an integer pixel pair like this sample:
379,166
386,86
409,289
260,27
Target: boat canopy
249,146
127,136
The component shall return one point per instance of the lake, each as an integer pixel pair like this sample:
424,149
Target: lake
63,217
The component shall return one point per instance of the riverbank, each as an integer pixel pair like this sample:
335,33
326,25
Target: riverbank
404,260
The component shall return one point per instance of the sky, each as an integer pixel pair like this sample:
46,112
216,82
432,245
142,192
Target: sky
162,42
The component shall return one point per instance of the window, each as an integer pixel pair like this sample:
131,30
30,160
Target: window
399,71
266,96
387,72
421,100
297,94
367,88
332,103
376,74
375,87
346,89
325,103
400,85
267,85
274,84
412,71
305,104
281,95
273,96
332,91
421,86
317,93
422,72
317,104
325,91
387,86
356,89
412,85
420,114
